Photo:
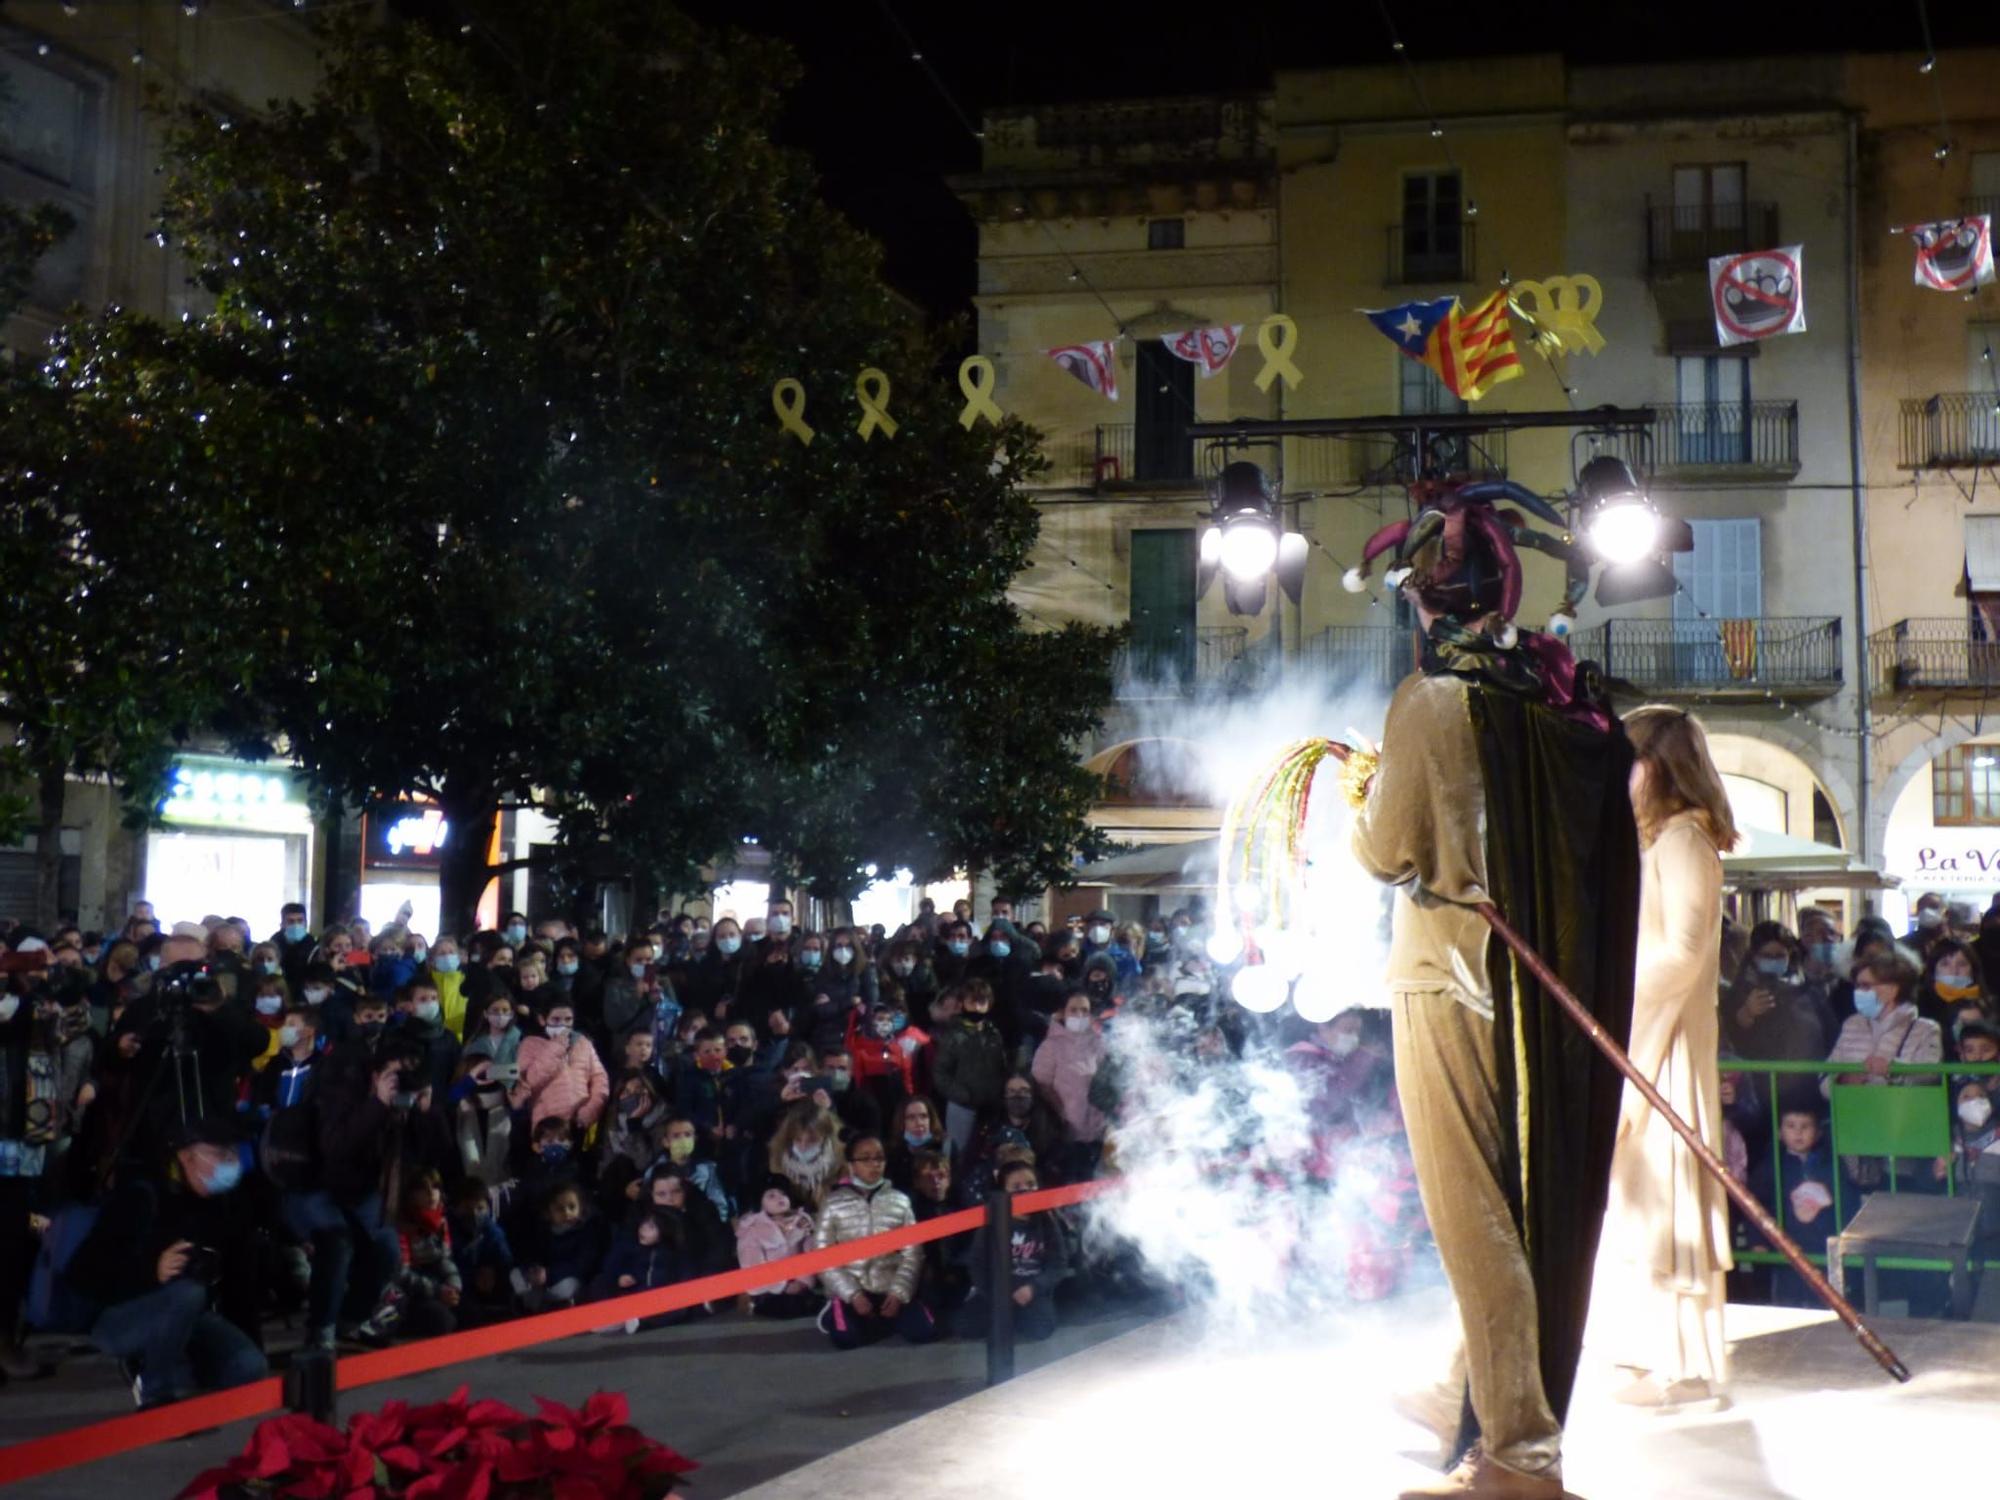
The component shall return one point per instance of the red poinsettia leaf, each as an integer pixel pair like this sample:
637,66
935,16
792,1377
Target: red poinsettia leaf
310,1441
581,1487
520,1464
664,1460
559,1439
357,1468
269,1453
606,1409
492,1414
556,1412
402,1456
429,1487
442,1441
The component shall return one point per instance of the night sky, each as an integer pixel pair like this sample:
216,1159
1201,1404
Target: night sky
885,140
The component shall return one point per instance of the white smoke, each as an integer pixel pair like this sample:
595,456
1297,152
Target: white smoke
1230,1192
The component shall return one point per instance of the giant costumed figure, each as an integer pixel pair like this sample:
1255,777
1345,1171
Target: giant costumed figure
1502,780
1498,806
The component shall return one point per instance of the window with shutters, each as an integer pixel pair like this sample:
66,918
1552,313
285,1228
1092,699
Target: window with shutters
1712,410
1433,227
1721,580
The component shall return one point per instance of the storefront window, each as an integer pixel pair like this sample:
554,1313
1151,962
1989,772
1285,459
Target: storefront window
1965,787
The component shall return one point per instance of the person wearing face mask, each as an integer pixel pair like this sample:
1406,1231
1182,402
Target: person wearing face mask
715,974
419,1017
488,1067
806,1151
1065,1066
1769,1012
886,1056
1038,1263
1885,1027
293,942
171,1264
636,999
561,1076
1950,983
952,957
626,1145
916,1128
907,982
970,1066
288,1078
1098,932
1927,923
778,924
869,1301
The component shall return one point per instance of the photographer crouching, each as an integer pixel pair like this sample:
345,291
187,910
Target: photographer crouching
170,1263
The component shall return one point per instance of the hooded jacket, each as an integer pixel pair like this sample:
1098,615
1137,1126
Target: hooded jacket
561,1080
1064,1066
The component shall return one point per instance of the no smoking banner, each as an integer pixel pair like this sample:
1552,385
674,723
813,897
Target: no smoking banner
1759,295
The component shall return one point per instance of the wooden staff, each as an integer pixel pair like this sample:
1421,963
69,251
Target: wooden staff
1740,1195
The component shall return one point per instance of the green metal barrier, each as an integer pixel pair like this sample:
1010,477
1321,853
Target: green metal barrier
1915,1122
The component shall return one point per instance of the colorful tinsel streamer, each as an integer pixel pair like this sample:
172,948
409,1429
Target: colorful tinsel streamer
1263,834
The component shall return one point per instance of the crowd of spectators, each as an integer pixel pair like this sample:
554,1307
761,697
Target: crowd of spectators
1870,1002
368,1136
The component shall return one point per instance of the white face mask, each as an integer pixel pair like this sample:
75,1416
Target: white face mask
557,1033
427,1010
843,955
1100,934
1344,1043
778,926
1929,917
288,1036
8,1005
1077,1024
270,1005
1975,1113
316,995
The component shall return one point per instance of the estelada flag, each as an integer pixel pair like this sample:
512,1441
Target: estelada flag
1471,352
1096,365
1209,348
1954,254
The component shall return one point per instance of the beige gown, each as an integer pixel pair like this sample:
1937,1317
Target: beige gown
1659,1291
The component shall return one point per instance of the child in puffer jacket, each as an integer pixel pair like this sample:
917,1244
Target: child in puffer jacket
780,1228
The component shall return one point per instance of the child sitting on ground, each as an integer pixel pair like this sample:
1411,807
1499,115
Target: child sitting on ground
647,1253
485,1260
1040,1262
778,1229
563,1251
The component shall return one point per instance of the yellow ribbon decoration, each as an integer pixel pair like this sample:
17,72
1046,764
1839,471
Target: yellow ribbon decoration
978,393
1564,312
1277,336
871,389
788,400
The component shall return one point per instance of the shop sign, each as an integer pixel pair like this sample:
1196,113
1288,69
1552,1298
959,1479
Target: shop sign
217,793
407,836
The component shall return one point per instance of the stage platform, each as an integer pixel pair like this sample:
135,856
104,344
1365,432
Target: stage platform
1169,1410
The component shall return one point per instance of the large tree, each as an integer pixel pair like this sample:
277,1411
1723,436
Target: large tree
536,277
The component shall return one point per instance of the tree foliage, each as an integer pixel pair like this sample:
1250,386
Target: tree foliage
525,291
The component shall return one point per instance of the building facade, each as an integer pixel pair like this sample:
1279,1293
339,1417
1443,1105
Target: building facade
1816,526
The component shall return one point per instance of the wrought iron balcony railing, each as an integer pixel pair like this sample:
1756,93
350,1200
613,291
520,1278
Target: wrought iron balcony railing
1954,429
1209,658
1791,656
1682,237
1948,652
1378,656
1125,456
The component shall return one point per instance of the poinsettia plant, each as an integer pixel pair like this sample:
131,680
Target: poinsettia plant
452,1450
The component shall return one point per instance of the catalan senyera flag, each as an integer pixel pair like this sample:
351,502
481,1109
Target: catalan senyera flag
1471,351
